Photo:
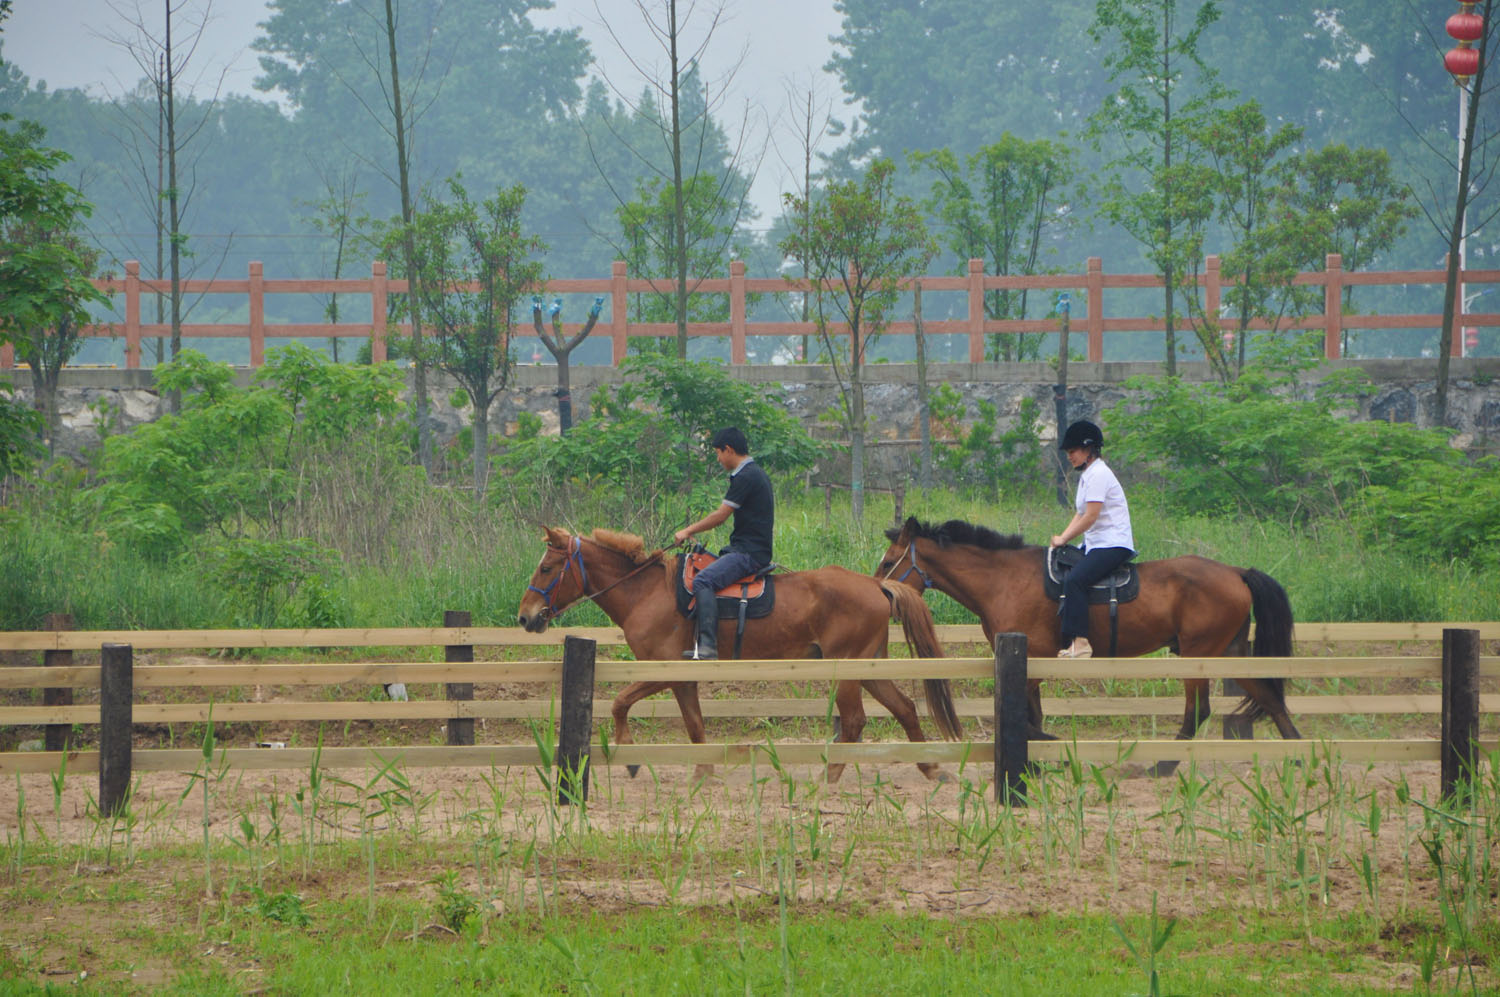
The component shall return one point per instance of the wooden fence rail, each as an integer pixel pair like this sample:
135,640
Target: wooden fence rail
617,288
1460,668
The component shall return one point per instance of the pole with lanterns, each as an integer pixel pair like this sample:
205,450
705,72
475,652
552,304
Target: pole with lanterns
1465,28
1467,63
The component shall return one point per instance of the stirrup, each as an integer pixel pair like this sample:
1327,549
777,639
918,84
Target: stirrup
1068,652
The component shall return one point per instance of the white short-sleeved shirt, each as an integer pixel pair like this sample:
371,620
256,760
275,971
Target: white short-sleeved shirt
1112,529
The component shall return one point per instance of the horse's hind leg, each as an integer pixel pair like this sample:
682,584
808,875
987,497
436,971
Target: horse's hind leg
1195,713
1268,697
851,725
887,694
692,719
620,710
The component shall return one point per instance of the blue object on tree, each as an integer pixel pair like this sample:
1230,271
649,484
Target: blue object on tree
536,302
1064,302
556,308
598,306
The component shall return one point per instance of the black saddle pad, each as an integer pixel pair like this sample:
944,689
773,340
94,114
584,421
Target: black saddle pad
1125,581
756,606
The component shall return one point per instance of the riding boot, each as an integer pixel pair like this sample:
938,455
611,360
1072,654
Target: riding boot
706,617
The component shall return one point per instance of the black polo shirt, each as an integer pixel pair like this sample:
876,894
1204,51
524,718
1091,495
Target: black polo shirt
754,505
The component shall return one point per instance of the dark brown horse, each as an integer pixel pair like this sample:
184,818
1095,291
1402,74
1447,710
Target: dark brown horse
1192,605
830,613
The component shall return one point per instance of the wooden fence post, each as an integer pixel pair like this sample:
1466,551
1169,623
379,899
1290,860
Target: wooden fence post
1460,738
737,313
460,731
257,314
55,737
133,315
619,312
1333,305
1094,282
378,291
116,699
976,311
1011,748
576,713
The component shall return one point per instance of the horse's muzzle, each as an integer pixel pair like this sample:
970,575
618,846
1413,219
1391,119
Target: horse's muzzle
535,623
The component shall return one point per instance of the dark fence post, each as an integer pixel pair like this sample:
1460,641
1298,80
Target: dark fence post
577,720
1237,728
55,737
460,732
1011,748
116,699
1460,747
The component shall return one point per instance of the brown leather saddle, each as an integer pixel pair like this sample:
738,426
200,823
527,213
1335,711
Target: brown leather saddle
755,593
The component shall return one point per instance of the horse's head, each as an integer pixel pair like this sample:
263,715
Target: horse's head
899,562
559,580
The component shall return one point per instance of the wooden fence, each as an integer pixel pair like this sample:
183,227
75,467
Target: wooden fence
617,288
1459,704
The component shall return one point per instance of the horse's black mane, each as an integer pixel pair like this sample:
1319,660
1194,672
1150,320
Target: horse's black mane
957,531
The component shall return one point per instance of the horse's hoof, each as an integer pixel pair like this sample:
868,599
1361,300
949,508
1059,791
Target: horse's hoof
1161,769
941,776
633,770
1037,734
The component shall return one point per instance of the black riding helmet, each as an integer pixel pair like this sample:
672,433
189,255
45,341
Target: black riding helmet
1081,434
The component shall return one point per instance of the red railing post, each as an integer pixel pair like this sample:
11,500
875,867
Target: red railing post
1333,305
619,311
377,311
1457,332
1094,282
737,312
1213,295
976,311
257,315
132,314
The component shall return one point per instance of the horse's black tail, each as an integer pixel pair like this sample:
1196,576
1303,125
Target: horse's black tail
1273,632
921,633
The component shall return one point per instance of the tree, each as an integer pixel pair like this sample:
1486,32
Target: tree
561,347
45,265
685,158
861,239
474,264
1157,189
997,205
164,64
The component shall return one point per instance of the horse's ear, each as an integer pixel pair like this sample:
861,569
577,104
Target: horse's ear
556,536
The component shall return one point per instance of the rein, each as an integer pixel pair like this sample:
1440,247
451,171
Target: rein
911,552
574,555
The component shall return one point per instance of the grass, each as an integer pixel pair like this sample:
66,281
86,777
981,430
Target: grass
1319,878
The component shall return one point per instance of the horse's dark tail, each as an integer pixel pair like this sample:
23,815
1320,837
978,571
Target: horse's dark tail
1273,632
921,633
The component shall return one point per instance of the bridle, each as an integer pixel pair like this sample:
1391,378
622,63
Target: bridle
911,552
573,554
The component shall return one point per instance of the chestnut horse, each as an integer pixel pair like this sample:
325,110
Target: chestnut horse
830,613
1192,605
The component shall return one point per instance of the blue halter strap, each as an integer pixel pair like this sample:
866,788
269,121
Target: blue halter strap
574,554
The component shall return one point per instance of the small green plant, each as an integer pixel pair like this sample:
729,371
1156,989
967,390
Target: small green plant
283,908
455,905
1158,934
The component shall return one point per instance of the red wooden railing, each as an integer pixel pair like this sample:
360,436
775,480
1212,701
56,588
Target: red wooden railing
1094,282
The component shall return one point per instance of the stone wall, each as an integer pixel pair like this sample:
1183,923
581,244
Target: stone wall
94,402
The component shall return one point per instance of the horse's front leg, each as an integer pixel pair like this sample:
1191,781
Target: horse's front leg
851,706
1034,729
692,719
620,710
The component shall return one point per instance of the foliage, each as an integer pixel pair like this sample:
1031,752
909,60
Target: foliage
997,205
1247,448
284,908
20,431
649,443
981,457
474,265
260,576
227,464
1436,513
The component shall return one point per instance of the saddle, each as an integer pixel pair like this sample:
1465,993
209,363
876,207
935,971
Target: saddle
748,598
1121,585
756,591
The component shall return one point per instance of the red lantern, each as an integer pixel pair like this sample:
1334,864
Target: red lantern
1466,27
1471,339
1462,62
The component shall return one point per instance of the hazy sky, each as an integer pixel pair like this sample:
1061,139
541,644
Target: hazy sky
67,44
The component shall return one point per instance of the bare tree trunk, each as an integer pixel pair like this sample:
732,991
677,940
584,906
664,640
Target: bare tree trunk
679,221
403,168
174,218
924,410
